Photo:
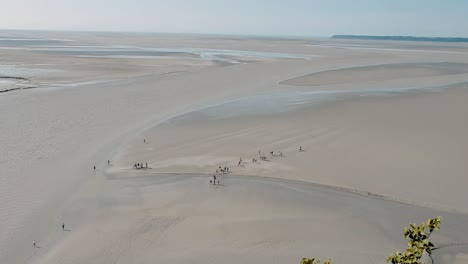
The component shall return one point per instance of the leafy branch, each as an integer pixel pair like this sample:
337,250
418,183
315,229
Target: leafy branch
418,244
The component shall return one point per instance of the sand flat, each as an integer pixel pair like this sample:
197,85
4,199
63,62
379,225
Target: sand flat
87,110
182,218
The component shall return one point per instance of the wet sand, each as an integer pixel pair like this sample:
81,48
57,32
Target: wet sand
87,110
382,72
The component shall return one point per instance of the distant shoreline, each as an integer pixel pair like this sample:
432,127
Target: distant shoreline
401,38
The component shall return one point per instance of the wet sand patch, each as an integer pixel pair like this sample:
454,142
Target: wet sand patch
381,72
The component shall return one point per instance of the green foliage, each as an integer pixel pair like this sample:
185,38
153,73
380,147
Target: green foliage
313,261
418,244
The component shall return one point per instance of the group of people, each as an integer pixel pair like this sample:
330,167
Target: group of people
274,154
140,165
219,171
263,157
214,180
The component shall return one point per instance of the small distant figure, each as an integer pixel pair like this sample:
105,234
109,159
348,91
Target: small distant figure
280,154
144,140
34,243
94,167
146,164
300,148
63,226
218,182
108,162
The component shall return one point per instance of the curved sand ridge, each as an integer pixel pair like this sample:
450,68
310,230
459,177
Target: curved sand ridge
380,72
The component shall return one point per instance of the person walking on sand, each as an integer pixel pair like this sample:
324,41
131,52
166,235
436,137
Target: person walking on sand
108,162
34,243
94,167
144,140
63,226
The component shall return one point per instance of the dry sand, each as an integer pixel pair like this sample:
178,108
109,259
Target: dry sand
182,218
86,110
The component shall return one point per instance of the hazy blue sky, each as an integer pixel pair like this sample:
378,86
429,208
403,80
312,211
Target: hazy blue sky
258,17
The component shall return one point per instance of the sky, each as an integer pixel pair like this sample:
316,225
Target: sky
445,18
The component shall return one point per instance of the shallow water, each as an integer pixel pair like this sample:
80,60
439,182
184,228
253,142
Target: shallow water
27,42
7,83
71,48
286,101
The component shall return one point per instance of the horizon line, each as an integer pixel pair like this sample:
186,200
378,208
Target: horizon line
292,36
